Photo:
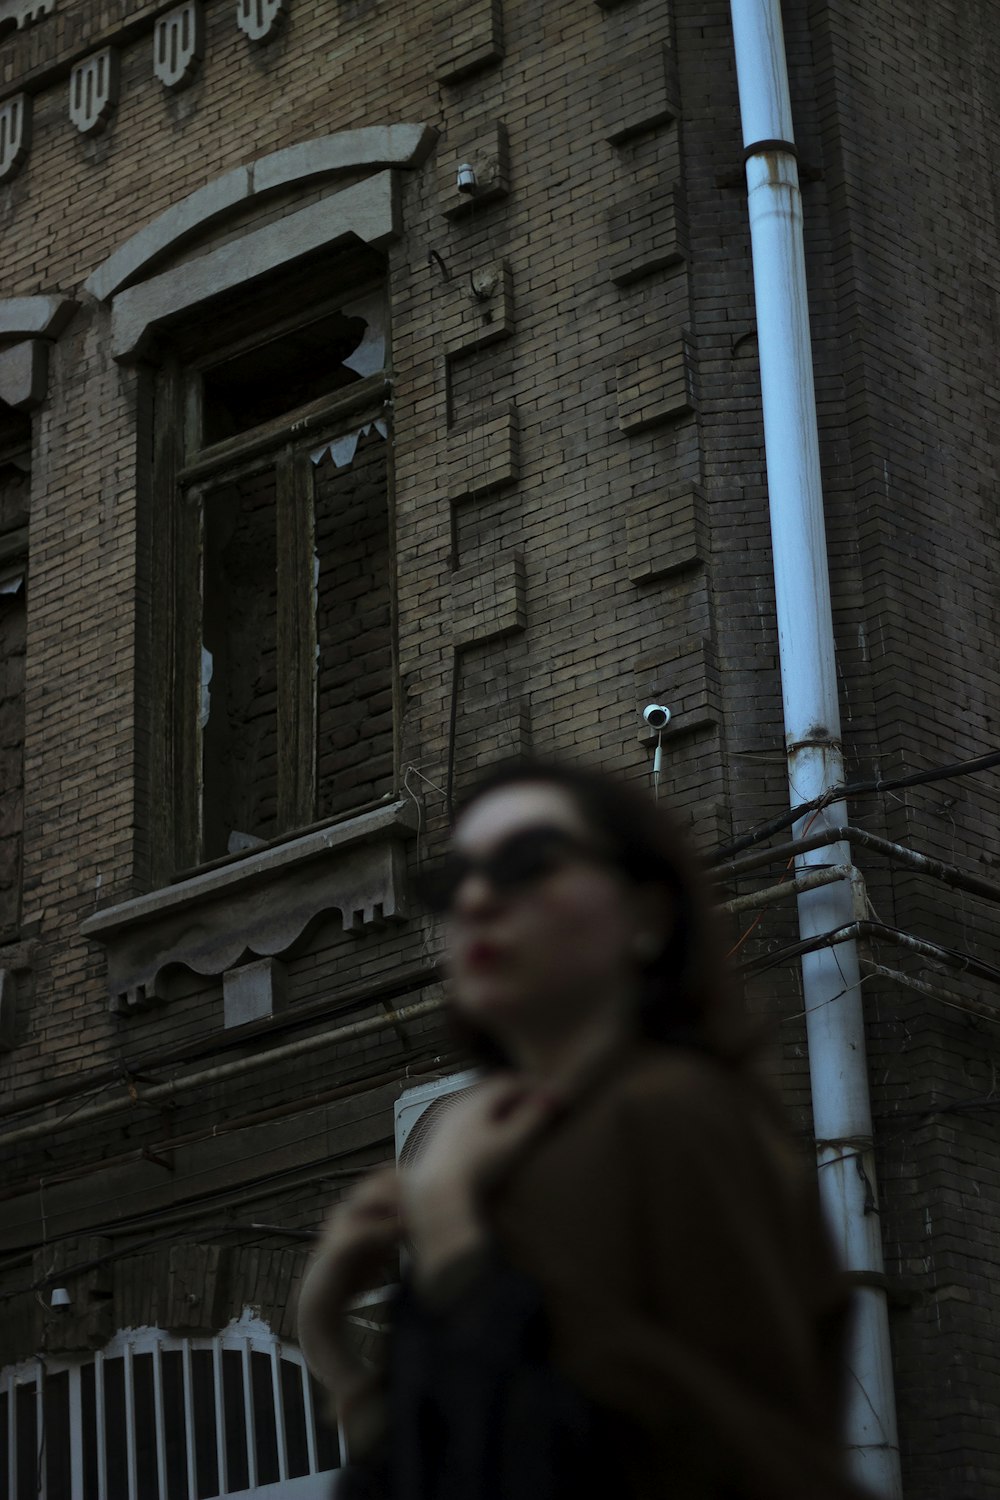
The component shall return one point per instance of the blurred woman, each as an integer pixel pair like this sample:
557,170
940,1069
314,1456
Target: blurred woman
619,1282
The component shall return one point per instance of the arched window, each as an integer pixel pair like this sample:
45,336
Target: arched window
155,1417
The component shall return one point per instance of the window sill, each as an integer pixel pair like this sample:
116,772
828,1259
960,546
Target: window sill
258,907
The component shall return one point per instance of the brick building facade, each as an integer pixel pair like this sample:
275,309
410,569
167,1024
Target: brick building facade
324,484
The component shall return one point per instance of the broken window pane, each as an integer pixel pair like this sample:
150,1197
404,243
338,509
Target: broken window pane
239,698
314,360
353,622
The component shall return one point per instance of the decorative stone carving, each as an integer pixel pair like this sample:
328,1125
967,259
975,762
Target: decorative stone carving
93,91
259,18
179,44
15,133
258,907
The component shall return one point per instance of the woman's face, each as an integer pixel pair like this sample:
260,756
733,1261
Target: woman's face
537,960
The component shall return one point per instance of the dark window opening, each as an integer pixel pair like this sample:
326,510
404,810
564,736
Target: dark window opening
353,629
239,677
276,377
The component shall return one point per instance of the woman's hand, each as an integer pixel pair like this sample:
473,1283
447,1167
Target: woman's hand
356,1248
474,1142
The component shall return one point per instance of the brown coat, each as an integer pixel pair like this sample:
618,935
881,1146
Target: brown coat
689,1280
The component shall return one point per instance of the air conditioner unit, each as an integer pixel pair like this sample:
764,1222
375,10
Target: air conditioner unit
416,1111
418,1108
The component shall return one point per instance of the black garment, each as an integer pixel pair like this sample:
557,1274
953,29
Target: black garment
475,1410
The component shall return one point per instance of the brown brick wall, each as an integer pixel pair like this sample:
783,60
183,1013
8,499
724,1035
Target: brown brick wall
578,525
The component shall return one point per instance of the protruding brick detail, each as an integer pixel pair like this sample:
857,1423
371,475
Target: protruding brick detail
645,95
487,152
683,673
646,233
480,310
487,603
468,38
252,992
656,383
484,456
666,534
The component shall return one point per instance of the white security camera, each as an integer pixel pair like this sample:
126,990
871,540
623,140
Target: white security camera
656,715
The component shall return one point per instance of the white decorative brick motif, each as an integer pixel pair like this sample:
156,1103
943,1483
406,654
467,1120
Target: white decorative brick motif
24,13
93,91
15,133
258,18
179,44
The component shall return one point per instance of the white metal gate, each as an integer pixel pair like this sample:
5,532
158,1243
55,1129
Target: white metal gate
154,1417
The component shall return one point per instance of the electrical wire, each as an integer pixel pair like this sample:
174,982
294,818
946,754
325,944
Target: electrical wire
852,789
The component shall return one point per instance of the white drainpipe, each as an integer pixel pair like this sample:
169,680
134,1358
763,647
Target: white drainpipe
830,977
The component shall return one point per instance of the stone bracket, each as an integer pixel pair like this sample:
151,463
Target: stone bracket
257,907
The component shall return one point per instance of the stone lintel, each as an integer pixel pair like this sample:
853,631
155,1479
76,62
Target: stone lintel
258,906
371,147
368,212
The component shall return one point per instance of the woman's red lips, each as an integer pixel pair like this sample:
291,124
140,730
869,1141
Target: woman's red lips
482,955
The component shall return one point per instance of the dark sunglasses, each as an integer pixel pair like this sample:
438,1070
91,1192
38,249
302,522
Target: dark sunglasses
515,865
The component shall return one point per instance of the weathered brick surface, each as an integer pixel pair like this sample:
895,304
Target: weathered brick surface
578,526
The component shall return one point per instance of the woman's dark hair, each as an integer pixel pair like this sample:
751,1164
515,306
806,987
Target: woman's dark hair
688,994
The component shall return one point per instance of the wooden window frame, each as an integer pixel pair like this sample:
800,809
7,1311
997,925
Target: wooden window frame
181,471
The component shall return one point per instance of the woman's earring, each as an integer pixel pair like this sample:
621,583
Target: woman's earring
646,946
